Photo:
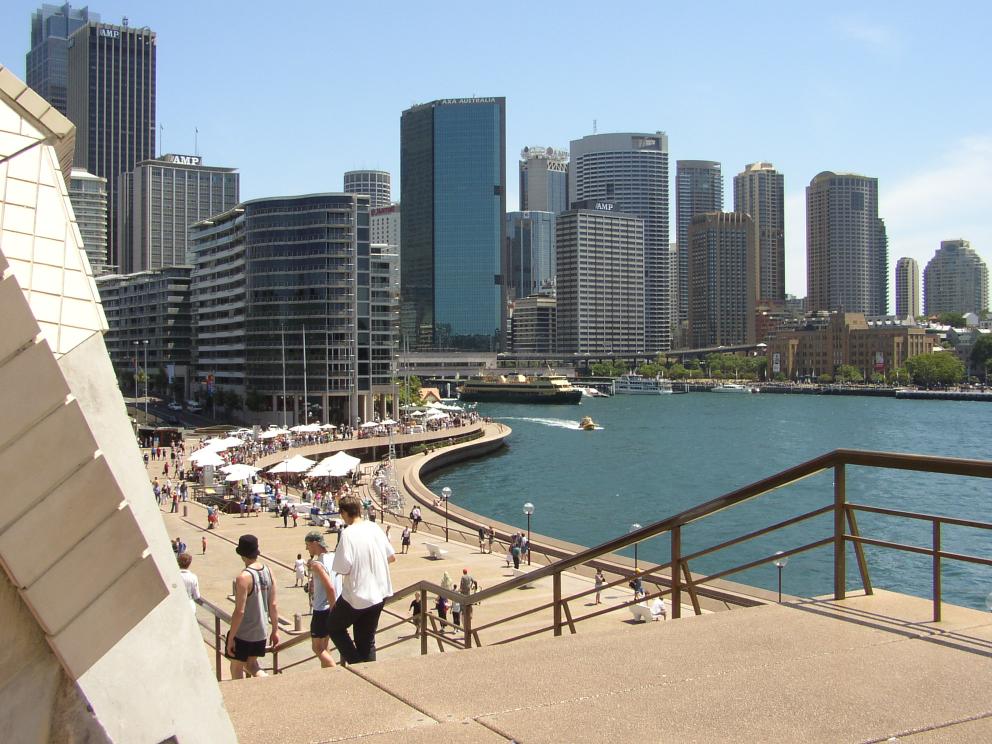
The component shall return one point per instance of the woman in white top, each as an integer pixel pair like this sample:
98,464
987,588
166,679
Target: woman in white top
301,570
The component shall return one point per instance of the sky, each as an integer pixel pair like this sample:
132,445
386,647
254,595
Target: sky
294,94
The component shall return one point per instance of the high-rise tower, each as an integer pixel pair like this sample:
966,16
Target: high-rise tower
453,192
112,103
543,180
631,170
760,192
907,288
377,184
846,247
698,189
47,62
955,280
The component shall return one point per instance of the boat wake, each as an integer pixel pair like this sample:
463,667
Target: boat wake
555,423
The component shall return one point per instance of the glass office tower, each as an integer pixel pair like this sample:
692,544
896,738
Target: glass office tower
47,63
453,191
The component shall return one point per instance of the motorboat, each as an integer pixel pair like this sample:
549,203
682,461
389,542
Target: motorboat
732,387
587,424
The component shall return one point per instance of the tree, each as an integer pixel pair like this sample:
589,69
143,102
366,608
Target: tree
899,376
410,391
825,379
678,372
877,378
847,373
955,320
981,354
941,368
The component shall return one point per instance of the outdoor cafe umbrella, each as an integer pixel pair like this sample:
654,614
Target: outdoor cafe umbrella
205,457
239,471
296,464
336,466
273,433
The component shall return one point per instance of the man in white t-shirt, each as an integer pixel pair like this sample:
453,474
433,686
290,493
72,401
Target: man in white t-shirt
362,560
190,581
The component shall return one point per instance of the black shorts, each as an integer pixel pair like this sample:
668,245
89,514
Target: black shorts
243,649
319,626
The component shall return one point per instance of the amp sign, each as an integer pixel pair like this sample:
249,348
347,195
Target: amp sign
184,159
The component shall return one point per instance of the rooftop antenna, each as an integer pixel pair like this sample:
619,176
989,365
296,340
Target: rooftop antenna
196,141
594,126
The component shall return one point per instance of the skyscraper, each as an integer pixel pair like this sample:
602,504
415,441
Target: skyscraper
760,192
375,183
722,284
955,280
88,194
907,288
631,170
846,247
698,189
453,192
530,258
47,62
112,103
160,199
543,180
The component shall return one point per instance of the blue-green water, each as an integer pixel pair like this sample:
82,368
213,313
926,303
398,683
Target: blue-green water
656,456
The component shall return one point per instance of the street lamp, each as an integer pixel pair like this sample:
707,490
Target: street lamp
445,495
781,563
136,343
145,342
528,510
634,528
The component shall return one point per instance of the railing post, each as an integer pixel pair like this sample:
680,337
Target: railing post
840,564
217,650
422,622
557,601
936,571
676,577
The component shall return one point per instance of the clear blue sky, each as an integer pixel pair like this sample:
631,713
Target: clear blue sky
293,94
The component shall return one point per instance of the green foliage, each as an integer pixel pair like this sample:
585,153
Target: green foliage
847,373
981,354
877,378
955,320
649,369
409,390
696,374
780,377
733,366
899,376
825,379
942,368
678,372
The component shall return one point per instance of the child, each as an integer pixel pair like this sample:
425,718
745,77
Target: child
301,570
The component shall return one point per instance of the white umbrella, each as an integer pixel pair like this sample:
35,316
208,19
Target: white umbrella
305,428
206,457
419,413
388,422
246,471
237,475
296,464
370,424
272,433
336,466
328,426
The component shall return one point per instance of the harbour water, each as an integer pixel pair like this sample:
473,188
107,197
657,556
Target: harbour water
654,456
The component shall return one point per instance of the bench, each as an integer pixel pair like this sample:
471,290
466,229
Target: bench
521,572
642,614
435,551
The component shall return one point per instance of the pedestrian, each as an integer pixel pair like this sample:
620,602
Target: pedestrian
491,535
415,611
256,616
190,581
637,585
482,539
165,469
203,545
442,611
293,514
600,583
467,584
180,546
515,550
175,503
446,582
326,589
456,613
285,515
415,517
362,559
405,540
301,570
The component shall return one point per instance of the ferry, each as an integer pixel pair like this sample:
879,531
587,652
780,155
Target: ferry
634,384
520,389
732,387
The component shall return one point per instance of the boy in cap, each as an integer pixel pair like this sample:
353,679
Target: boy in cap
255,616
326,588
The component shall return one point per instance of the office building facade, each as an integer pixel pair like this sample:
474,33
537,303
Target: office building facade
760,192
631,170
907,289
846,246
376,184
722,287
47,61
296,274
453,195
88,194
160,199
534,326
698,189
152,307
543,180
385,226
530,255
600,298
112,103
955,280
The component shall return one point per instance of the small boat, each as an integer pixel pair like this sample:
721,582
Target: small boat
732,387
587,424
634,384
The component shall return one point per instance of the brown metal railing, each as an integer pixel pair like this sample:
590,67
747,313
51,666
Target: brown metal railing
674,577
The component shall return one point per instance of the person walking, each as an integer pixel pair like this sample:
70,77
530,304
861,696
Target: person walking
405,541
482,539
442,611
490,536
190,581
285,515
467,584
256,616
300,567
326,589
600,583
416,517
362,559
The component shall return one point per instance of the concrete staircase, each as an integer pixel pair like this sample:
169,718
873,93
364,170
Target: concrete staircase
860,670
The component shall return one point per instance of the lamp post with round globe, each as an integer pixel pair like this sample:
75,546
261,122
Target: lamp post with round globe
780,564
445,495
528,510
634,528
